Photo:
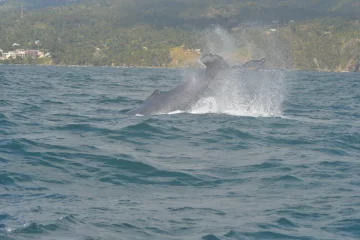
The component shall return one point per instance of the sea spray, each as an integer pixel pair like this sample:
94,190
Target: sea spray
244,93
246,43
219,41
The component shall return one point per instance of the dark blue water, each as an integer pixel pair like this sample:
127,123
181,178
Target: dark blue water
269,156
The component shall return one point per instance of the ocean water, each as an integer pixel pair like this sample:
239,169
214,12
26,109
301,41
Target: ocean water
269,155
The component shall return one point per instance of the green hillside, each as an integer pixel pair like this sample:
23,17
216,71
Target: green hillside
310,34
326,44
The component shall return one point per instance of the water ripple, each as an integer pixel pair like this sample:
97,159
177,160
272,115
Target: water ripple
276,158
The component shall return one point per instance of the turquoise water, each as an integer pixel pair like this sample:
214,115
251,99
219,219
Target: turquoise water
269,155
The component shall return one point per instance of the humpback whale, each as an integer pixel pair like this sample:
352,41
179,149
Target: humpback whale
185,95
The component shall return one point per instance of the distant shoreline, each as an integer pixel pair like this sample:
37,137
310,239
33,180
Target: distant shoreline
151,67
108,66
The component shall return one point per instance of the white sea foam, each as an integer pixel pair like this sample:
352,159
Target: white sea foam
176,112
245,93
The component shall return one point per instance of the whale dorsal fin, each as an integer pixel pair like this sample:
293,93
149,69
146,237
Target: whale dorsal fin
214,64
154,94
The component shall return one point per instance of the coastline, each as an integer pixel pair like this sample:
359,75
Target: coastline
157,67
85,66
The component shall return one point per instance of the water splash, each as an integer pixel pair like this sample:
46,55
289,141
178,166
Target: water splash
248,43
245,93
219,41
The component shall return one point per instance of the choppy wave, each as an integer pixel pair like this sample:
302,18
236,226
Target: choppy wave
73,165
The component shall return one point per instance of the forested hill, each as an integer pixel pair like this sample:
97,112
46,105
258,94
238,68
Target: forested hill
155,32
40,3
200,13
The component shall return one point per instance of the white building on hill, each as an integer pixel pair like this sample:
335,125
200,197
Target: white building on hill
22,53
